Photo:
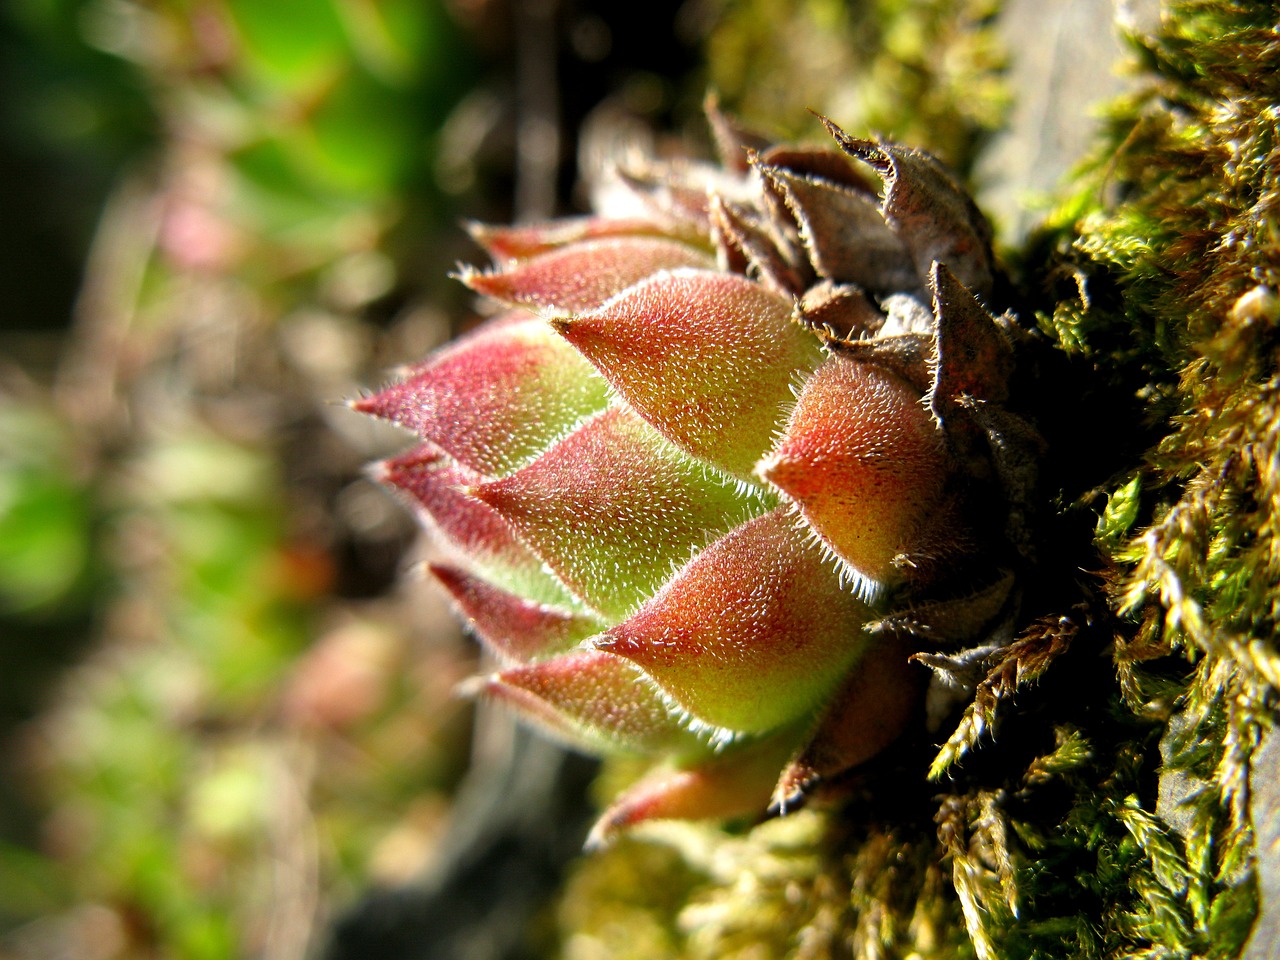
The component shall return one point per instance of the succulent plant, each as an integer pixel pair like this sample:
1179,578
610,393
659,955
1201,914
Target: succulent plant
733,450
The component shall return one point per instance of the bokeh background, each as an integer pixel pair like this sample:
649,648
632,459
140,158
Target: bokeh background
226,720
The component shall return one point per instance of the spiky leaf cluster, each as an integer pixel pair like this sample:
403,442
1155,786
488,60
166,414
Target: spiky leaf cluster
732,451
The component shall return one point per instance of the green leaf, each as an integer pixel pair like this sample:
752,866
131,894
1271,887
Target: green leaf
44,512
1120,513
290,44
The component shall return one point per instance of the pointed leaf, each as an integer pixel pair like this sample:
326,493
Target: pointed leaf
733,141
880,698
974,355
821,163
753,632
676,193
706,358
514,628
740,240
614,507
932,214
839,311
584,275
592,700
779,222
866,463
467,527
908,355
737,784
729,242
526,240
1016,449
961,612
495,399
845,235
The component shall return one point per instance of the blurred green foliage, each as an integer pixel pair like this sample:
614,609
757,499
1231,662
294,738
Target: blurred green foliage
45,513
244,741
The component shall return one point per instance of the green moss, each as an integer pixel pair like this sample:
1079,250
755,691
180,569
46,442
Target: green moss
803,886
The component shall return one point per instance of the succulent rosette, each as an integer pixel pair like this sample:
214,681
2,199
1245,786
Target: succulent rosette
730,453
